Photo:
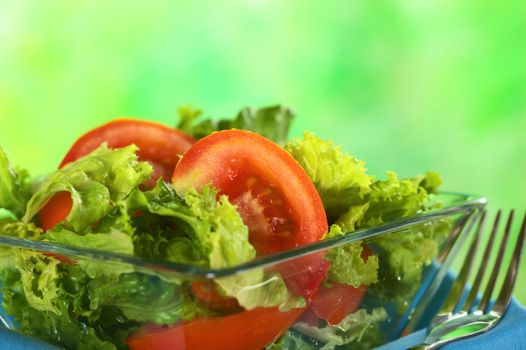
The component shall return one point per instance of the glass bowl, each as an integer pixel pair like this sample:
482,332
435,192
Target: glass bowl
149,304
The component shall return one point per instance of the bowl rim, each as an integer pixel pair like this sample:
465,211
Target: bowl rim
467,203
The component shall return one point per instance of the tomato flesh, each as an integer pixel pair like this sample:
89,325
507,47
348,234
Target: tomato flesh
272,192
247,330
334,303
263,210
303,276
274,195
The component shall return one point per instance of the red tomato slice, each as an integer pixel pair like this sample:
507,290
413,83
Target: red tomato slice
303,276
55,210
272,192
158,144
247,330
333,304
274,195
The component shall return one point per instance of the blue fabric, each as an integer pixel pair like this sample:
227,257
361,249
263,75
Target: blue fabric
509,334
15,341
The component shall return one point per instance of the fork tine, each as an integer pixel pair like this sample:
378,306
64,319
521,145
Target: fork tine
480,274
483,306
450,327
454,297
511,276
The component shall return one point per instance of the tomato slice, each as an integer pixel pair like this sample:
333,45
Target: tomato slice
158,144
303,276
55,210
247,330
273,194
334,303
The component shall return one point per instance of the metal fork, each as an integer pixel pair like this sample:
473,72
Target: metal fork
461,317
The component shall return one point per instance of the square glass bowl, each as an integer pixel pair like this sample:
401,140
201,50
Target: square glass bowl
124,301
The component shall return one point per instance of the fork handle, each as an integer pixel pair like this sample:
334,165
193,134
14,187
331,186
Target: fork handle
423,346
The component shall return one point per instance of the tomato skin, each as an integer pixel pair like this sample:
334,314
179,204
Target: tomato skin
158,144
229,158
247,330
55,210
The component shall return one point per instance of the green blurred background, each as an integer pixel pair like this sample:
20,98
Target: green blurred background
404,85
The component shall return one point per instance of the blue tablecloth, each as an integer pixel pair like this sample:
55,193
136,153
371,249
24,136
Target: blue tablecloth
509,334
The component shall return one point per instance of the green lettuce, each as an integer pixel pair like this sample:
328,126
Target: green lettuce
271,122
402,256
96,182
348,266
393,199
113,241
349,331
67,305
14,188
293,340
14,228
209,232
340,178
144,298
217,234
34,293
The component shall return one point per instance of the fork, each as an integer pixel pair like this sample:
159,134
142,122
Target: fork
460,316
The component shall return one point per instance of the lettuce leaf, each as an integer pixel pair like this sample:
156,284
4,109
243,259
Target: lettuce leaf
347,264
34,293
190,124
293,340
350,330
255,288
271,122
402,256
205,231
14,188
145,298
217,234
340,178
64,305
14,228
96,182
393,199
113,241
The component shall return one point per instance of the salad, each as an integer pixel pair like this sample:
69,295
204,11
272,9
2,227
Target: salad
211,194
